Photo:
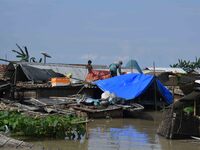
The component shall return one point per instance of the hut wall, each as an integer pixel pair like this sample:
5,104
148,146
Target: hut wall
178,125
2,70
27,93
165,125
185,126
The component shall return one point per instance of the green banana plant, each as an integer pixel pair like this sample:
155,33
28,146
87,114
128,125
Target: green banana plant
24,56
33,59
187,65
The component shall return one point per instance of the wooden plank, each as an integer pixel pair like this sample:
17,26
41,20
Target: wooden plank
10,142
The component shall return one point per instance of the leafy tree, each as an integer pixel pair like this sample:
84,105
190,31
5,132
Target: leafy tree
24,55
187,65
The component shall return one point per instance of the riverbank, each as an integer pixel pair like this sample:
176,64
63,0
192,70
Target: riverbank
19,123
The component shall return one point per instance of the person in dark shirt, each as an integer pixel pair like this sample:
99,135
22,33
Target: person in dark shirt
89,66
114,67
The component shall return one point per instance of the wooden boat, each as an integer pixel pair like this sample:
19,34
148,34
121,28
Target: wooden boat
111,111
135,110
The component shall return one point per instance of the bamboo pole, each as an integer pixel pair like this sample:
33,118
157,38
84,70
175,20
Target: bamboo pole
86,126
86,129
155,87
195,105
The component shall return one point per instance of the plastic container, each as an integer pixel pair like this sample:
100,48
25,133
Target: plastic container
61,81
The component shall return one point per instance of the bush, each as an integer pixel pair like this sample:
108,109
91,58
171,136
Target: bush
58,126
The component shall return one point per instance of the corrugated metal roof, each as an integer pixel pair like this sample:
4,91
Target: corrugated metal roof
130,70
197,70
161,69
78,72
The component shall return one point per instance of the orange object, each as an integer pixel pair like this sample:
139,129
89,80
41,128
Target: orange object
97,75
61,81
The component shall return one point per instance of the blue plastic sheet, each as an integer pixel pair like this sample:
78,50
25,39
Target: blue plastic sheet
131,86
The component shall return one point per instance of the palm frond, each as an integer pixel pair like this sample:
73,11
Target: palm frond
26,50
19,56
20,49
17,52
40,60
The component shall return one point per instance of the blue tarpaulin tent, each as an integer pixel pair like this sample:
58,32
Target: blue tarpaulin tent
132,64
131,86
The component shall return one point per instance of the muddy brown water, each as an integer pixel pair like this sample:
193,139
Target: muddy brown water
121,134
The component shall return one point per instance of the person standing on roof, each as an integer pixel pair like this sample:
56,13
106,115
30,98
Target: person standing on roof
89,66
114,67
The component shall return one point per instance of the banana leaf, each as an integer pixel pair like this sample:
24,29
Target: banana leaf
20,49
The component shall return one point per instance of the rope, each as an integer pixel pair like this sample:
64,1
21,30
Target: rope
80,89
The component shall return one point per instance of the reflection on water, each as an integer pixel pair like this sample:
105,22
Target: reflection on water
121,134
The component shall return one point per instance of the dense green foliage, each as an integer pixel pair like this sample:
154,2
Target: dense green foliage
49,126
187,65
23,55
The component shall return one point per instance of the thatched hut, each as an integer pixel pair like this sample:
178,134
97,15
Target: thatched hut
182,119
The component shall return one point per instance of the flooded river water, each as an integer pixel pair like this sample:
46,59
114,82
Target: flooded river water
121,134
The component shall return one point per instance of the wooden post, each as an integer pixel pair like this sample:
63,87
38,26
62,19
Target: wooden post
131,66
155,93
14,83
155,87
44,59
86,129
173,90
15,77
195,105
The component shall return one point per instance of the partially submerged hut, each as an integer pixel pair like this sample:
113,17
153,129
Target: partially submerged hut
38,72
146,90
181,120
176,79
33,80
